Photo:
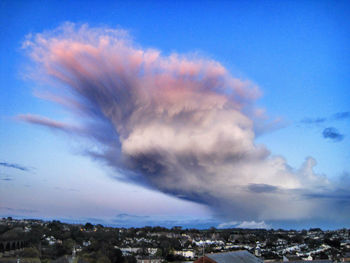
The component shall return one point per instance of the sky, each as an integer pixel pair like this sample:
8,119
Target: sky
191,113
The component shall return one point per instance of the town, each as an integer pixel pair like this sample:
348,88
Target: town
35,241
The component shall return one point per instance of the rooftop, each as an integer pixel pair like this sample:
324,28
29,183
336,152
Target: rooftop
235,256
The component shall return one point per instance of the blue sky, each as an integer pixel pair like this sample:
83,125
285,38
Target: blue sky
296,52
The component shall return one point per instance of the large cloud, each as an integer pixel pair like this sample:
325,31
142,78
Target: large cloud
179,124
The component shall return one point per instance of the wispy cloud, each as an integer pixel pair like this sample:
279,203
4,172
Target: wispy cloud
334,117
6,179
14,166
46,122
180,124
332,134
66,189
341,115
313,120
128,217
18,210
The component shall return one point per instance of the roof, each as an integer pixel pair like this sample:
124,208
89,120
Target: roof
309,261
234,257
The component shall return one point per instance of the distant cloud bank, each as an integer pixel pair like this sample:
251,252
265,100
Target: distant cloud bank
245,224
180,124
18,210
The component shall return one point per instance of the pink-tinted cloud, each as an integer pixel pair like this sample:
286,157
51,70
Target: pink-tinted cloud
179,124
43,121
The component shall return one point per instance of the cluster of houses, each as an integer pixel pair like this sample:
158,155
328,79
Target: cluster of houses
284,248
214,245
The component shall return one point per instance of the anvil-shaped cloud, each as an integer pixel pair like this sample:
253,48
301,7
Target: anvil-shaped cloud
180,124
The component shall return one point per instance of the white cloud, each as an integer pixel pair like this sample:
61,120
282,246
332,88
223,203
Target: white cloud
228,224
245,224
254,225
178,124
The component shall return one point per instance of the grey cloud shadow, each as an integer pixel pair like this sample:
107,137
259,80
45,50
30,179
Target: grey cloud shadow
262,188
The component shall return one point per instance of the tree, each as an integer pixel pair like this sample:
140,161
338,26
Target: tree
130,259
172,257
158,254
103,259
77,235
315,229
323,255
115,255
297,239
35,234
30,252
333,243
89,226
56,229
68,245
